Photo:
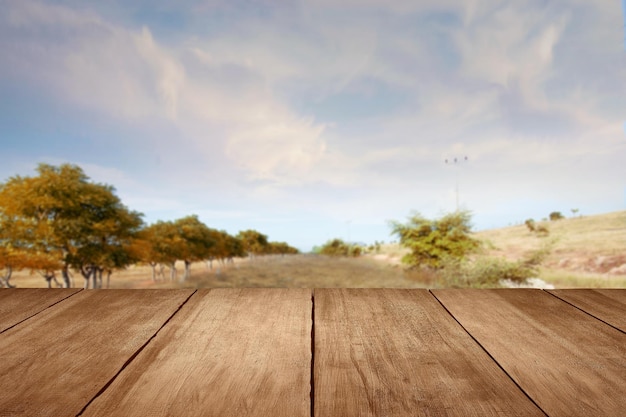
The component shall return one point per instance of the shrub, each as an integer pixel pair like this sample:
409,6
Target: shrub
433,241
337,247
539,229
556,215
489,271
484,272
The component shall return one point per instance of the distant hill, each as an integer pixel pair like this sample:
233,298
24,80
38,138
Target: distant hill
588,244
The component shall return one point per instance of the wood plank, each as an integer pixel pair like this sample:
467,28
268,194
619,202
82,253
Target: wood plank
229,352
58,362
384,352
607,305
571,364
18,304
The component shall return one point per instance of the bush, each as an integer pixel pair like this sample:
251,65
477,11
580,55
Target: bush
540,230
489,271
556,215
337,247
433,241
484,272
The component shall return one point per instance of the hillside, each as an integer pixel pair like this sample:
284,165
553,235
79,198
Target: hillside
582,245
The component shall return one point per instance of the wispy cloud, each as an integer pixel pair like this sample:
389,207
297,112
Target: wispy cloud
335,105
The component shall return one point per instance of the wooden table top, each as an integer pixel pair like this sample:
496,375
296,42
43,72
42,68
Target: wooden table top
320,353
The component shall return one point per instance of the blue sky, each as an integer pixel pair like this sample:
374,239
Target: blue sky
315,119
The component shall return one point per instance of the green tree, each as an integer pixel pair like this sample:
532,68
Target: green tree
431,242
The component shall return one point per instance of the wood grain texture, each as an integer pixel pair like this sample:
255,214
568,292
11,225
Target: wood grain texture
571,364
606,305
383,352
229,352
58,362
18,304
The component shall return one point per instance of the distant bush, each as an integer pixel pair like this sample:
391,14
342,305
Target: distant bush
337,247
490,271
556,215
483,272
540,229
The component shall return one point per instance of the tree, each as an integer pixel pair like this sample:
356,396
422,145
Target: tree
165,246
254,243
431,242
281,248
59,219
186,239
198,240
225,248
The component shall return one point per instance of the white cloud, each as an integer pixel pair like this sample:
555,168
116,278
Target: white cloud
89,62
518,87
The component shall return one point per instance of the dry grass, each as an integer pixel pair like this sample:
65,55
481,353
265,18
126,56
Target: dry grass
308,271
293,271
583,252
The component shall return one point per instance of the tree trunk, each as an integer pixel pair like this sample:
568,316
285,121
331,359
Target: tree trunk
173,271
162,271
109,272
187,270
153,265
49,276
86,272
66,277
96,277
4,281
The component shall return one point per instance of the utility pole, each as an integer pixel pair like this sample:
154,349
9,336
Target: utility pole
456,162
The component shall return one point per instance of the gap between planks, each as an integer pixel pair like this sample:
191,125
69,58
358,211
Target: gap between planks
134,355
584,311
41,311
488,354
312,340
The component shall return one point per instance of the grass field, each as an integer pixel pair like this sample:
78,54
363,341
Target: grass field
584,252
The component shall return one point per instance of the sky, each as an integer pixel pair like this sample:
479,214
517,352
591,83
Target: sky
314,119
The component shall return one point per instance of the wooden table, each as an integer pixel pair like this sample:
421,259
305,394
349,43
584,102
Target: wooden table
322,352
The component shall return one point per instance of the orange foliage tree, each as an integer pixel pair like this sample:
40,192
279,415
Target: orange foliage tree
59,220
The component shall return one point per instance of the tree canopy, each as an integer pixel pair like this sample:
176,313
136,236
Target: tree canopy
59,219
431,242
